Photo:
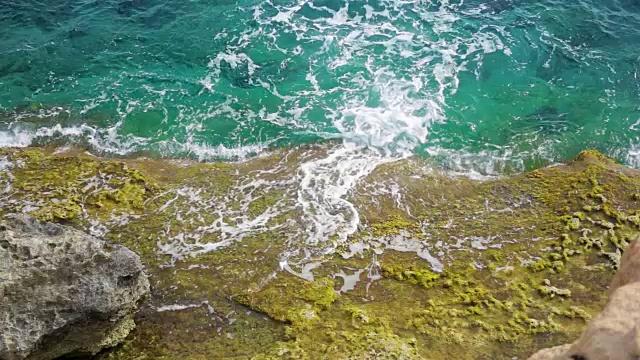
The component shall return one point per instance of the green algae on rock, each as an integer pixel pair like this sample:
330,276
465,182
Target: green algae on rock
441,266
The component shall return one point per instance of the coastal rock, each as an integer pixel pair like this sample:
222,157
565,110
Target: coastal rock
615,332
551,353
223,244
63,292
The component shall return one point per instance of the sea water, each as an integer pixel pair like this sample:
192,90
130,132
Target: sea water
479,87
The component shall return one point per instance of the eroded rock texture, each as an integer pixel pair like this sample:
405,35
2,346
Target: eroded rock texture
63,292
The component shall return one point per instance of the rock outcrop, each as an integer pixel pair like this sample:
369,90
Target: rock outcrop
63,292
615,333
528,259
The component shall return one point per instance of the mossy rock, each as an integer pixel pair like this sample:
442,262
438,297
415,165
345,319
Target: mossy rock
452,268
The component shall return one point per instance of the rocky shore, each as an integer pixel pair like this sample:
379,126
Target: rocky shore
439,267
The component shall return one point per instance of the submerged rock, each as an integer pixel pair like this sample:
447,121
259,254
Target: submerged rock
63,292
615,332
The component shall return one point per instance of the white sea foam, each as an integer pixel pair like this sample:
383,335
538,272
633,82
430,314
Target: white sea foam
371,137
384,125
109,141
376,113
180,307
105,140
632,156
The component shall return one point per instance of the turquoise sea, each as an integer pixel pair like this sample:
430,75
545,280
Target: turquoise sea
479,86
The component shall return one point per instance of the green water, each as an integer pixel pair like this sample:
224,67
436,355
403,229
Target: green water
478,86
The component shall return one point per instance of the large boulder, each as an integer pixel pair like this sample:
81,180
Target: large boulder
615,333
63,292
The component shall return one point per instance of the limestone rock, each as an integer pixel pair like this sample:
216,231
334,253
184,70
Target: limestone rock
615,333
63,292
629,271
551,353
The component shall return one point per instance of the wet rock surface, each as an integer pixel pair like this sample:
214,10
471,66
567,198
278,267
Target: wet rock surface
440,267
63,292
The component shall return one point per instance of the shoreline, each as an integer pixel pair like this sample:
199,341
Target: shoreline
319,146
438,266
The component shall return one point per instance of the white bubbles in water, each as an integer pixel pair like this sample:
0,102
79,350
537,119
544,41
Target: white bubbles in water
372,79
